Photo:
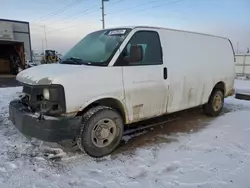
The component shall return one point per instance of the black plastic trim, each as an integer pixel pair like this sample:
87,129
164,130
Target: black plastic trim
232,49
165,73
16,21
31,53
24,32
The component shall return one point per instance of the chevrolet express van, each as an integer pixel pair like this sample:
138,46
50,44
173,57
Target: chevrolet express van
115,77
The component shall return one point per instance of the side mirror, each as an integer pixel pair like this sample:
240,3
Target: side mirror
136,54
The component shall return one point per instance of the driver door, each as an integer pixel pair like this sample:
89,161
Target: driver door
143,81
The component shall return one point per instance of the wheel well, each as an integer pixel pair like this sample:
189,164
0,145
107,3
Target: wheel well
109,102
221,86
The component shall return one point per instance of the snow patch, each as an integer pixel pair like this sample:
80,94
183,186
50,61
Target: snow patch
216,156
242,86
126,138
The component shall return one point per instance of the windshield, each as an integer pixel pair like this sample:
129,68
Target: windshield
96,48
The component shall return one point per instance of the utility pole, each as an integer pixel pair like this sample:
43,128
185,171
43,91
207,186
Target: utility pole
103,13
237,49
45,37
42,47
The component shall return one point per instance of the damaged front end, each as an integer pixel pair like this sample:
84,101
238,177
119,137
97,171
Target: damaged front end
44,100
38,113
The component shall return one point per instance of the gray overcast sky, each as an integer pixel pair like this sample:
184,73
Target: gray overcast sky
67,21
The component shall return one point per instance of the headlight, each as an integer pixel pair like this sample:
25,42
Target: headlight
46,94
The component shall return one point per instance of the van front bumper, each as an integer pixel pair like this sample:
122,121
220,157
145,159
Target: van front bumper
46,128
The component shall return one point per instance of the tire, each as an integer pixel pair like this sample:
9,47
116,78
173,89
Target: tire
91,129
212,109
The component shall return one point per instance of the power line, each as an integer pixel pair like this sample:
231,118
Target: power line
136,6
60,10
83,13
116,2
37,27
65,28
71,17
142,10
152,7
172,2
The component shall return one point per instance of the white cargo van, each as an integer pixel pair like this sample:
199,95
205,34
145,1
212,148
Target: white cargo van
119,76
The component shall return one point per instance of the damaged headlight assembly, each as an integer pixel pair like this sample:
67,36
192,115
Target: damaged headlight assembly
49,99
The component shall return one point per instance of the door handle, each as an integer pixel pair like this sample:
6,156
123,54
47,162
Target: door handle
165,73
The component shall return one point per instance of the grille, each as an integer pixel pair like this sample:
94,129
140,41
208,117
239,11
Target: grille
27,90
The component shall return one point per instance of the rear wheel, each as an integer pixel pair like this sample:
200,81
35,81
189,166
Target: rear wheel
215,103
101,131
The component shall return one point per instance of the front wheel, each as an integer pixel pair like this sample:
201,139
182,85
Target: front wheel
101,131
215,103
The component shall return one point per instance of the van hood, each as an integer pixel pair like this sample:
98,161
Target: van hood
44,74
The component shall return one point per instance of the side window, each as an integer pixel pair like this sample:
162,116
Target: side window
144,48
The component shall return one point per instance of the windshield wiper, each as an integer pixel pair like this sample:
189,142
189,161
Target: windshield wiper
78,61
73,60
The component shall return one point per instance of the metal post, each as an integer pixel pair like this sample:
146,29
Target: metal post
45,37
244,64
42,47
103,15
237,50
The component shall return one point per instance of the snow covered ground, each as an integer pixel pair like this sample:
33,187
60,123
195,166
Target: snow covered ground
242,86
218,155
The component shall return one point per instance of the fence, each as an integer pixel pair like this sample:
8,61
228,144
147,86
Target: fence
242,65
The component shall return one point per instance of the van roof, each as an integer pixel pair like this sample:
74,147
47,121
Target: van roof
153,27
